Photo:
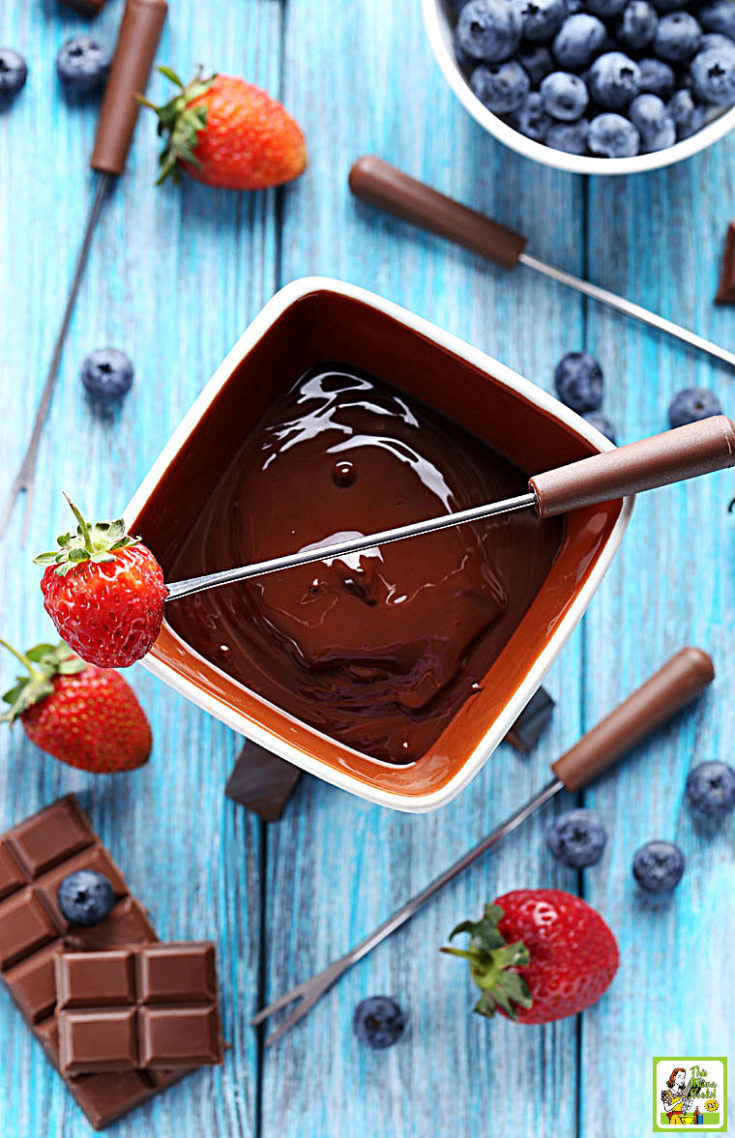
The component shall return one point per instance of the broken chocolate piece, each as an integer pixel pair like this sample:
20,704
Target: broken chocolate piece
532,722
262,782
726,291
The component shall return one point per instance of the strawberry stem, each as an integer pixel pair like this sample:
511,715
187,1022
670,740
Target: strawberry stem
84,528
19,656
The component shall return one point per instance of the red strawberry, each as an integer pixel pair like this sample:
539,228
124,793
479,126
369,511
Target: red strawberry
104,591
228,133
88,717
538,955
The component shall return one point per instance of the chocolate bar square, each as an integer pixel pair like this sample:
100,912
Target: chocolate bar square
144,1006
35,857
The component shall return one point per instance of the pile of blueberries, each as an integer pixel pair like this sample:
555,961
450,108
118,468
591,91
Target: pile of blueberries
609,78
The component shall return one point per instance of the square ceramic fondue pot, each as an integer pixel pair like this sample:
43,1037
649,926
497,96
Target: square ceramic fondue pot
312,321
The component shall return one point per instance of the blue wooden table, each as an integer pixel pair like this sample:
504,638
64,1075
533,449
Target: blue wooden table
175,275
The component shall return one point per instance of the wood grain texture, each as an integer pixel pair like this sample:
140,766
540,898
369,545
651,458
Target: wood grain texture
175,276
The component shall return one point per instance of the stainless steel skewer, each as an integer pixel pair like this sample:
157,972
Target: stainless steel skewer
387,188
697,448
682,678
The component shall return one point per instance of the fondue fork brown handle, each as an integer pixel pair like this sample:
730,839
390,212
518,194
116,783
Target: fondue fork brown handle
674,456
697,448
137,42
384,187
682,678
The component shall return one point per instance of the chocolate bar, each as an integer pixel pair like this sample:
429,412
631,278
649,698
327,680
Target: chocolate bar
532,722
141,1006
35,857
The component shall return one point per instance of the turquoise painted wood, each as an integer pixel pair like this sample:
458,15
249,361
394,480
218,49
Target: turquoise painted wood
175,276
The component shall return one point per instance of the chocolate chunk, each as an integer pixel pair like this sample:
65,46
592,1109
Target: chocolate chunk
262,782
726,291
35,856
532,722
88,7
142,1006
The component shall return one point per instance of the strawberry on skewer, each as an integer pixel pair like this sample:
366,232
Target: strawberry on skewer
538,955
85,716
104,591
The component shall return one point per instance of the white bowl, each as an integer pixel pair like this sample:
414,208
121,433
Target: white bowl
439,28
317,319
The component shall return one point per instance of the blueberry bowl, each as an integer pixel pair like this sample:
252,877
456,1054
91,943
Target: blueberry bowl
520,68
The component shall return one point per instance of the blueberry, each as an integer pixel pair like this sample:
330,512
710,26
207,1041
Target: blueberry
531,119
579,381
713,77
693,404
580,38
637,25
718,16
577,838
82,64
688,115
540,19
653,122
606,8
536,61
716,41
465,61
613,136
107,375
489,30
85,897
711,788
564,96
657,78
677,37
502,87
378,1021
13,72
571,137
613,82
658,867
602,424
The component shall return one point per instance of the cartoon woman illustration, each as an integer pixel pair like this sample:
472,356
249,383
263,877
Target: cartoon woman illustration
676,1101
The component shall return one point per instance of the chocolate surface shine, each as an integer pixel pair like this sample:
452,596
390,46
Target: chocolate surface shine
377,650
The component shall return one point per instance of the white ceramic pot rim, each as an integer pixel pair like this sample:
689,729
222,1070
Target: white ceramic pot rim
440,38
272,310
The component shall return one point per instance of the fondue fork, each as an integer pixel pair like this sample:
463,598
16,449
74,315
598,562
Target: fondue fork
140,30
682,678
387,188
697,448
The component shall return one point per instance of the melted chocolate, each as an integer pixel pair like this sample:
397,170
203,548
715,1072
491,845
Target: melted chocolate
377,650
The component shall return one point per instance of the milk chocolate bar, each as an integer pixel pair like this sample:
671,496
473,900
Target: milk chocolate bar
726,289
141,1006
35,857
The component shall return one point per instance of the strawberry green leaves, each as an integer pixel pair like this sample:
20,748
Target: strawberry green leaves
42,663
491,960
180,123
94,543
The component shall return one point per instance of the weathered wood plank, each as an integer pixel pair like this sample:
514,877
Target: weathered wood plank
360,78
174,277
658,238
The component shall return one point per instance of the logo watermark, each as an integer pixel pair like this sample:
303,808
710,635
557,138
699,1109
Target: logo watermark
689,1091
